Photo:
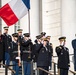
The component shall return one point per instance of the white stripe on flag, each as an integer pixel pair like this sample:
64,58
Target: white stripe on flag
18,7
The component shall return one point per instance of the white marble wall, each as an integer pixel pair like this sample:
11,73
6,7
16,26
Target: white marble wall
68,22
52,19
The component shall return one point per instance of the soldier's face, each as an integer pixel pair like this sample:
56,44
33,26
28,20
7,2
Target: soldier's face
15,38
19,33
44,43
6,31
26,38
62,42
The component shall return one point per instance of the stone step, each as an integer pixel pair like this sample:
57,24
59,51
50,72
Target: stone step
2,71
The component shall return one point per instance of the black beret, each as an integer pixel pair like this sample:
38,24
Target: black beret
15,34
26,34
6,27
43,33
62,38
39,36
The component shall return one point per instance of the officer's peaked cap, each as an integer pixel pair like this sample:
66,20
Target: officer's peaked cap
39,36
62,38
19,30
6,27
15,34
26,34
48,37
44,39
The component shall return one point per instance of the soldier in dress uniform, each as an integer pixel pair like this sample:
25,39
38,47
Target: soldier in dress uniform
36,46
20,39
74,47
7,45
50,46
43,59
1,47
14,53
27,54
63,56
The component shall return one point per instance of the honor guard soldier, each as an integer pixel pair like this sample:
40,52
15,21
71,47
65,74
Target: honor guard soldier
74,47
37,45
7,45
50,46
43,59
27,54
1,47
20,39
63,57
14,53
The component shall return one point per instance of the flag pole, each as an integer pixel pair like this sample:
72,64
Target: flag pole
29,20
29,30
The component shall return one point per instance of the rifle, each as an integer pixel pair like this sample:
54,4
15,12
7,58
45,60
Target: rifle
29,52
19,60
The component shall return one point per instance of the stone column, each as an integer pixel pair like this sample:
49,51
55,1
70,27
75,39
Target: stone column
34,19
68,21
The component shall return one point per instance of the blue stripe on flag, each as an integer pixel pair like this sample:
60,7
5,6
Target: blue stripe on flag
27,3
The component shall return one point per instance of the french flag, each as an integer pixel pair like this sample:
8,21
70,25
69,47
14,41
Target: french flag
14,10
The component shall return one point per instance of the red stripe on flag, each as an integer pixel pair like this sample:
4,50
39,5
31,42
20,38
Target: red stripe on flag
8,15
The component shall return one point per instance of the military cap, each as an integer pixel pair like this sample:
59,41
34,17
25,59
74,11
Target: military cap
48,37
19,30
39,36
26,34
6,27
44,39
43,33
15,34
62,38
